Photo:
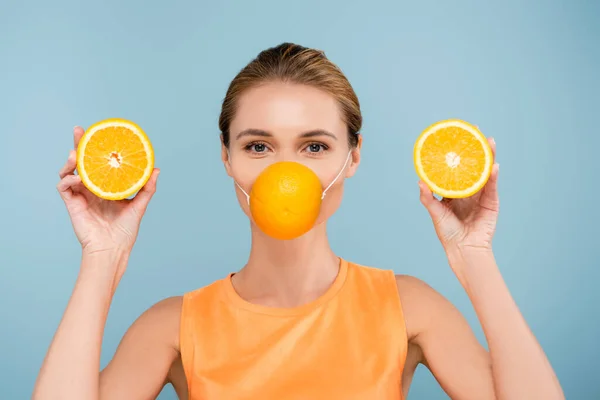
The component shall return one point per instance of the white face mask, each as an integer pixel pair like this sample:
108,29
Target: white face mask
324,191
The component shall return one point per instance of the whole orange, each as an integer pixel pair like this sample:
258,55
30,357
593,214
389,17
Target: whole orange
285,200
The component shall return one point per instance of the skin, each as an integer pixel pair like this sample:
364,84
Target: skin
287,274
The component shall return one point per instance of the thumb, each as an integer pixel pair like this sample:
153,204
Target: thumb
142,199
434,207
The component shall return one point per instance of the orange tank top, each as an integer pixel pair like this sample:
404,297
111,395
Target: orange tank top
348,344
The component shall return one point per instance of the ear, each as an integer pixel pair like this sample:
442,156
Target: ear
355,160
225,157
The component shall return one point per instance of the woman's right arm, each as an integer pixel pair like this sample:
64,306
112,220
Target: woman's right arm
71,368
139,368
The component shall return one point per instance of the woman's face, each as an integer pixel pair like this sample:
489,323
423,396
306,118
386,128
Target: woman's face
289,122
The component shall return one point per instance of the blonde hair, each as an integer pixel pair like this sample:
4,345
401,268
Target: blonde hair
293,63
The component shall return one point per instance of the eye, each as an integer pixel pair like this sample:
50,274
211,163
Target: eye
316,148
256,147
259,147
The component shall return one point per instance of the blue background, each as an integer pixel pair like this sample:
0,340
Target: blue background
525,72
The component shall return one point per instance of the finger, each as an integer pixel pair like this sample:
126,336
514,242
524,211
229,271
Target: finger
77,134
435,208
69,167
489,196
142,199
66,184
492,143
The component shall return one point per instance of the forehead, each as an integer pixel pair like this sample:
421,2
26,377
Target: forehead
286,108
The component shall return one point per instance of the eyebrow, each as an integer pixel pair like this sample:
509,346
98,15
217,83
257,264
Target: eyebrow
263,133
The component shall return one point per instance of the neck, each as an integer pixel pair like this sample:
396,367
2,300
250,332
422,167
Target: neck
288,273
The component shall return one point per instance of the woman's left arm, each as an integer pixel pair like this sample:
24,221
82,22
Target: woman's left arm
520,369
517,364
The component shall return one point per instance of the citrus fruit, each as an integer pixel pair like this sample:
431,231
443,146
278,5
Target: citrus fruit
453,158
285,200
115,159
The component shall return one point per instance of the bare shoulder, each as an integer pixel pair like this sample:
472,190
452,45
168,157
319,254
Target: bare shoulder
158,327
166,312
167,307
415,285
141,364
441,339
159,324
163,318
423,306
416,293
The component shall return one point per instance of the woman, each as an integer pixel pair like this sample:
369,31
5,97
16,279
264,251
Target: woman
297,321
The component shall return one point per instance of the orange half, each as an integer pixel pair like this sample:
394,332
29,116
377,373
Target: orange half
115,159
453,158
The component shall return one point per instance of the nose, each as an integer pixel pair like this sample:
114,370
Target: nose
287,155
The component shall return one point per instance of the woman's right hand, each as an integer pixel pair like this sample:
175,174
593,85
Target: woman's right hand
102,225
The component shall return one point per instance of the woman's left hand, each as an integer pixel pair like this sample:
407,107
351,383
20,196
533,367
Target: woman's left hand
467,223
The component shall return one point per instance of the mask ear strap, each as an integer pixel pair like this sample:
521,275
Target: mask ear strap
234,181
243,191
338,175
